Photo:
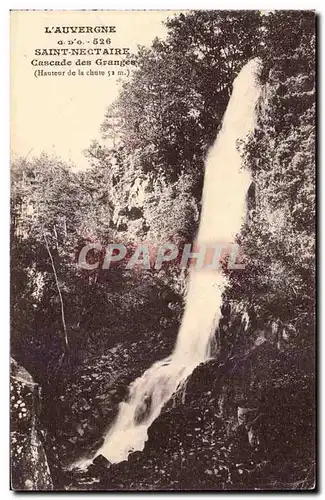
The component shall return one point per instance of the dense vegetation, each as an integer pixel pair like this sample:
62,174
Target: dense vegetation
84,335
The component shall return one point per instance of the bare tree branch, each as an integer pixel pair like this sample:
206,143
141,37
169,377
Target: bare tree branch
59,292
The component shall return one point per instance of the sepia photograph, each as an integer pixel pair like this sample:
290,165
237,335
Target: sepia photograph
162,250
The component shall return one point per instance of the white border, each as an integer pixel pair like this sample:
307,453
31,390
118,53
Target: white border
163,4
4,172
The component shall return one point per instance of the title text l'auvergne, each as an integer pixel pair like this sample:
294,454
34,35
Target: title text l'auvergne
68,30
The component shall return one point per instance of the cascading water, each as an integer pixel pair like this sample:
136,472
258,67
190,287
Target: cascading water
223,209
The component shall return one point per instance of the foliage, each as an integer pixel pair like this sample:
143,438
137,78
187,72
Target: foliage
279,240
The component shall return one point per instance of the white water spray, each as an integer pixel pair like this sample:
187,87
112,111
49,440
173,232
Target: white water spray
223,209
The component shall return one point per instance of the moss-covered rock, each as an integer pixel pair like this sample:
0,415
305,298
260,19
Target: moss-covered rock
29,466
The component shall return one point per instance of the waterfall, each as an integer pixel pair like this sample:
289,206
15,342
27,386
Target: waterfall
223,209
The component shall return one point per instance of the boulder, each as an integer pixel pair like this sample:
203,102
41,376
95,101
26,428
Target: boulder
29,466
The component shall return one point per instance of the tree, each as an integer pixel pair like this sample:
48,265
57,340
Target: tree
172,105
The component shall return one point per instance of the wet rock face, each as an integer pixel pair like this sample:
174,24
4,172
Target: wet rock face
29,467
